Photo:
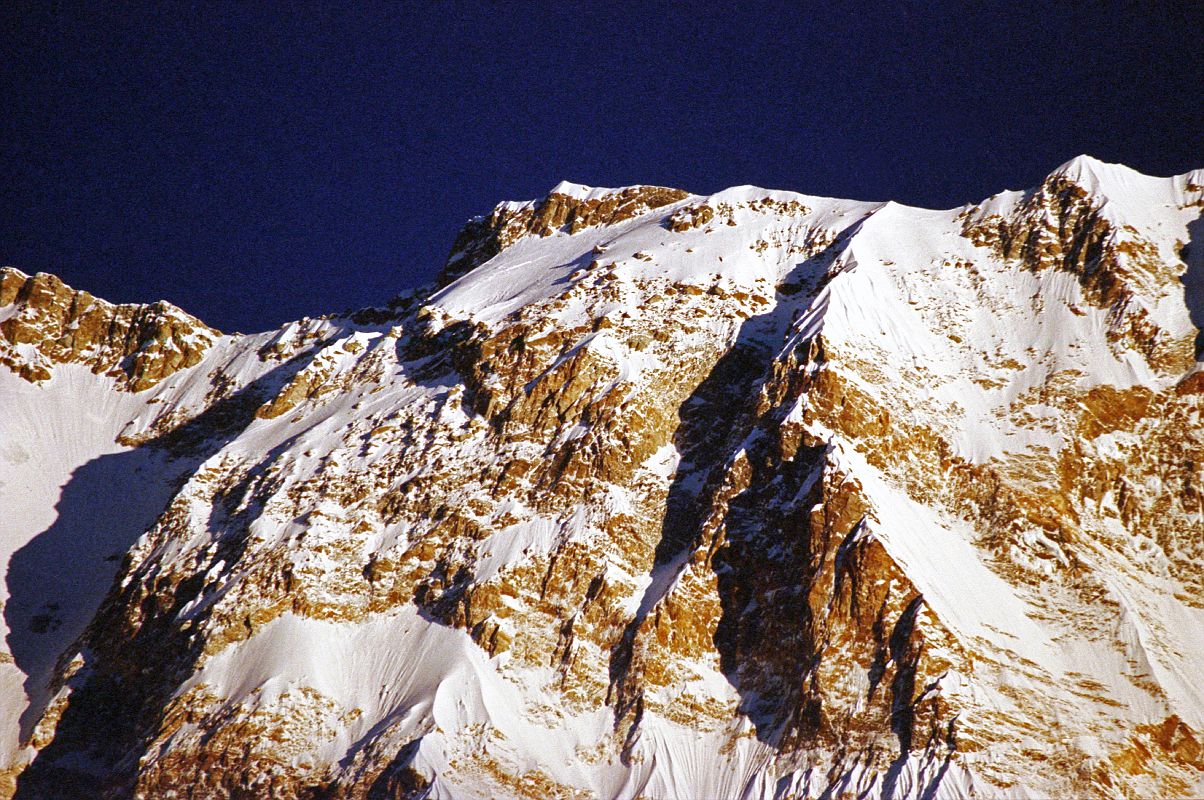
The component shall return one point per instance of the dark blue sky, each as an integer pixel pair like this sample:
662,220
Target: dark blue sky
257,162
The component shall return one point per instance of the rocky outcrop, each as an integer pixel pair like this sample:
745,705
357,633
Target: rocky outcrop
1061,225
482,238
44,322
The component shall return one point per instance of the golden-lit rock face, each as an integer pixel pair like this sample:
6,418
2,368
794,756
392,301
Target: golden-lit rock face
138,345
1060,226
762,496
484,237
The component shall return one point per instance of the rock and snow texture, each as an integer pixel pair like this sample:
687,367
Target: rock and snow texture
754,495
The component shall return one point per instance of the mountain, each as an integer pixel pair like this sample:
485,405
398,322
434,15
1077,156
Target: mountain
652,495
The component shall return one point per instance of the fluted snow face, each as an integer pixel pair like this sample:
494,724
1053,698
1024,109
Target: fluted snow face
657,495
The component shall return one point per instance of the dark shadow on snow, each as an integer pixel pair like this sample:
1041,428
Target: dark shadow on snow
715,424
1193,280
63,579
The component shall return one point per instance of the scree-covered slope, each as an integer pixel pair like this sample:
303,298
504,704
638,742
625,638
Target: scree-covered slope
653,495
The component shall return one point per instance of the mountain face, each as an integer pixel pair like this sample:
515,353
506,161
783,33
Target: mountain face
655,495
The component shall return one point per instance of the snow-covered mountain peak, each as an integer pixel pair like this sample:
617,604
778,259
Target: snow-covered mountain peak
1127,196
579,191
754,494
575,189
1088,168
